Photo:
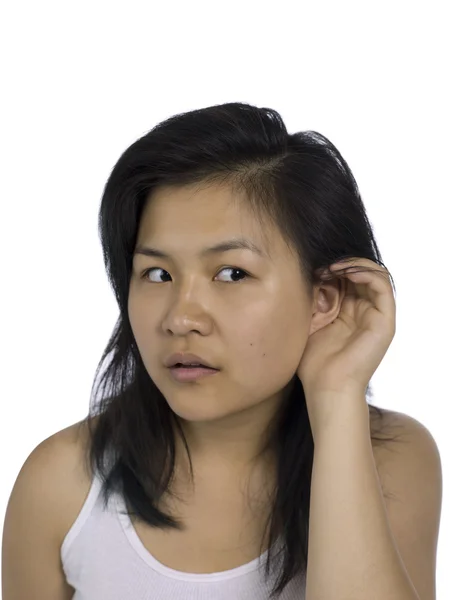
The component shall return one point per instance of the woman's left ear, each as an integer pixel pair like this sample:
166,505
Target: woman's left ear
327,299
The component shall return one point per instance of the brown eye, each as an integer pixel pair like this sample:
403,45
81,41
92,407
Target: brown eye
236,270
241,274
145,273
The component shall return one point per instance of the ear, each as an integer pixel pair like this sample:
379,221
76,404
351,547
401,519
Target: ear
327,299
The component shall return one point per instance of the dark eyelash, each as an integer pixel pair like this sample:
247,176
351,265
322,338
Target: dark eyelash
246,274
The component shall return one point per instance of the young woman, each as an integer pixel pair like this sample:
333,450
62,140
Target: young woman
231,452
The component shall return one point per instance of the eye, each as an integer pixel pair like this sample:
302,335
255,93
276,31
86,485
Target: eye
241,273
236,270
145,273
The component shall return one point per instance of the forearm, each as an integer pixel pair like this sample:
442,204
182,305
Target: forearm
352,552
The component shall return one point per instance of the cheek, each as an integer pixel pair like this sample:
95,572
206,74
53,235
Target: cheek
143,327
269,344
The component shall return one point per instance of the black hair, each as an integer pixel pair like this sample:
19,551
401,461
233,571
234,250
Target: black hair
299,182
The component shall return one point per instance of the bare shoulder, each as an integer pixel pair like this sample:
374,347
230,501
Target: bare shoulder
67,476
46,499
69,447
403,440
397,424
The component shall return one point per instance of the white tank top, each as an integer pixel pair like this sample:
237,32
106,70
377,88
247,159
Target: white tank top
104,559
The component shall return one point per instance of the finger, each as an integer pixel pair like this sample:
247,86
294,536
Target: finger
378,289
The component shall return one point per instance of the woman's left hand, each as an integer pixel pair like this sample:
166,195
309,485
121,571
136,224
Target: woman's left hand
340,358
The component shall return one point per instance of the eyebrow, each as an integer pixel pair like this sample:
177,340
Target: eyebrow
225,246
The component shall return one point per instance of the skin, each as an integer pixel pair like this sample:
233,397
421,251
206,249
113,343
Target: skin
254,328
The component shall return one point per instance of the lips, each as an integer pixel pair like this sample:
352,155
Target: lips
196,366
185,374
186,359
178,365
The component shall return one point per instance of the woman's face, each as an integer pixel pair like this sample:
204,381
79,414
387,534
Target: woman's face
252,327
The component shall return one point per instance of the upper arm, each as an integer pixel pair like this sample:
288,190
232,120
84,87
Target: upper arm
31,564
410,472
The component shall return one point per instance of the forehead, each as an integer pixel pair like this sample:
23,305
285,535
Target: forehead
203,215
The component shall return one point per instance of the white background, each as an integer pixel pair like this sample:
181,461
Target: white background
82,81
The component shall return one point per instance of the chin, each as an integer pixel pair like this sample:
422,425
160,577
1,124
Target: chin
195,408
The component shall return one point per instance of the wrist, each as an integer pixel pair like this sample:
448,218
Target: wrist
336,412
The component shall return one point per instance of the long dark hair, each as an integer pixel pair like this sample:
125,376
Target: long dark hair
302,184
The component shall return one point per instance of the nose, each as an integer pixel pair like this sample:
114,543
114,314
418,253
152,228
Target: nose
187,313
